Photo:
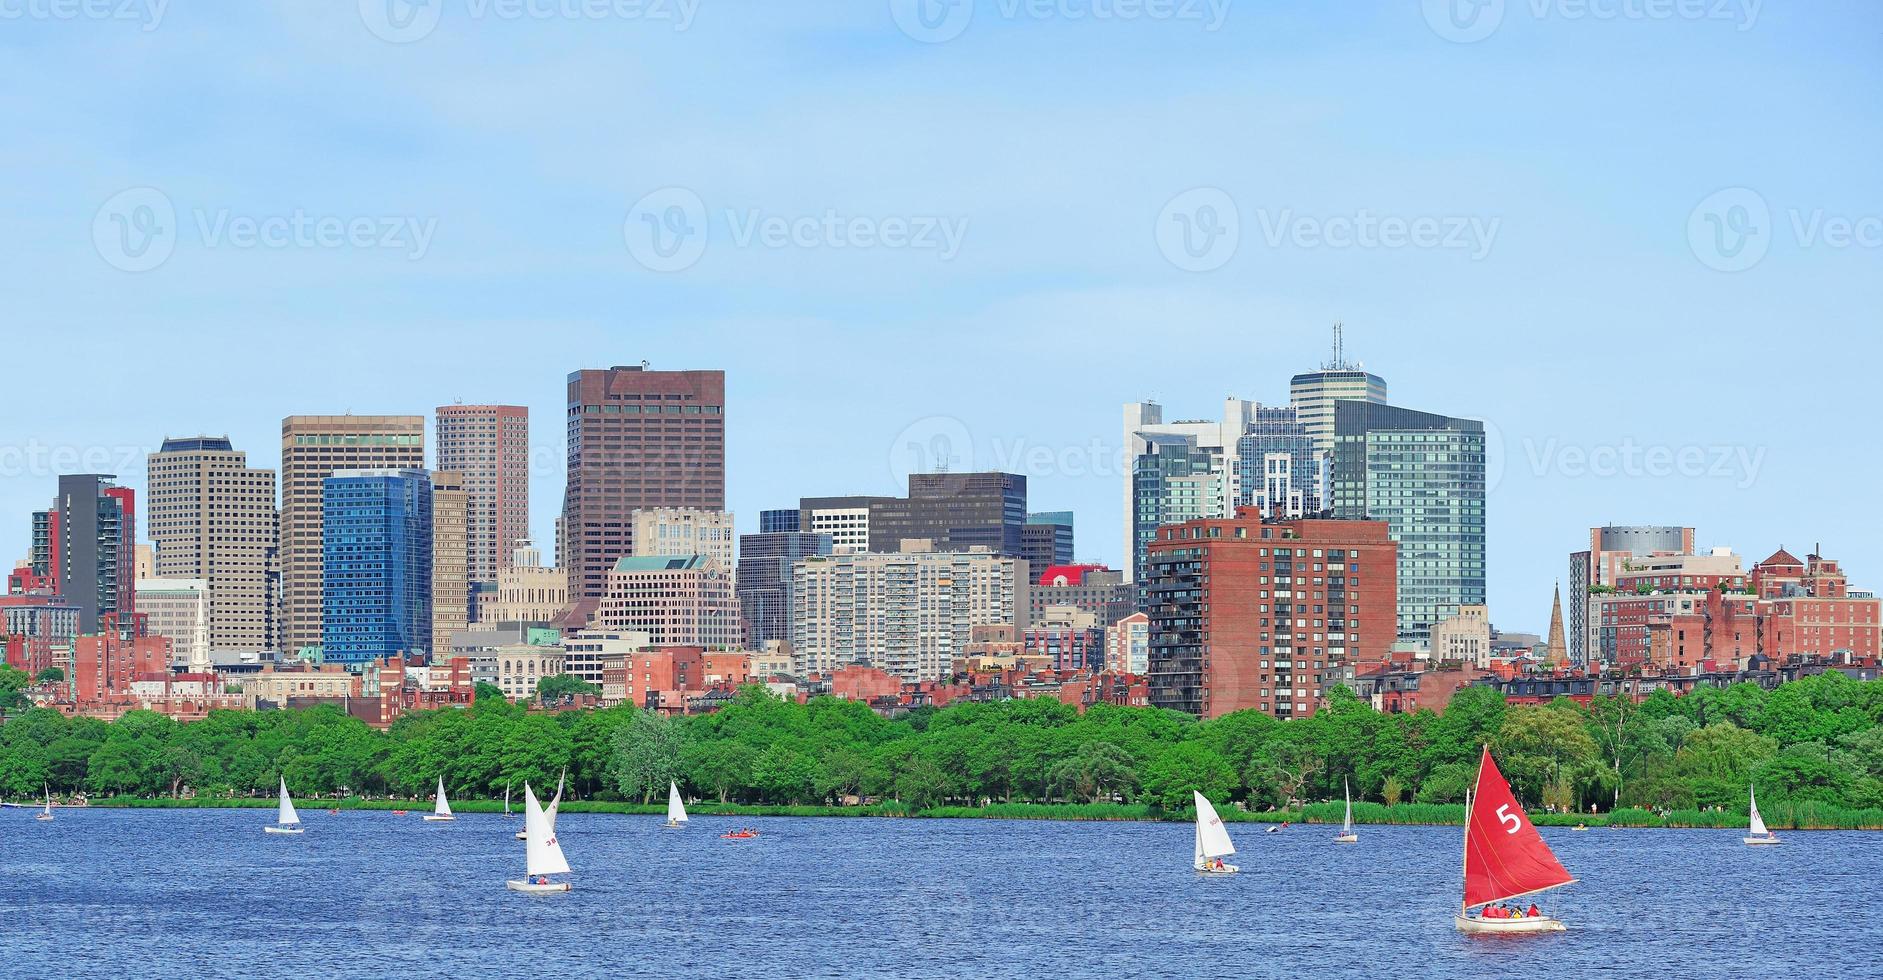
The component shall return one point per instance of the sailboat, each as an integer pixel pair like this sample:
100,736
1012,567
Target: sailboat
524,834
441,811
1759,833
46,814
1347,836
676,810
1212,840
286,820
506,802
542,855
1505,857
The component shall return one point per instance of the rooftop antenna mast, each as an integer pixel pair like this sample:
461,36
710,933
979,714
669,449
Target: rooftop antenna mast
1339,363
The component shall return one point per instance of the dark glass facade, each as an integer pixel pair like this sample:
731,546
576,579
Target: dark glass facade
376,549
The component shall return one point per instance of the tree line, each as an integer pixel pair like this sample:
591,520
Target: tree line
1817,740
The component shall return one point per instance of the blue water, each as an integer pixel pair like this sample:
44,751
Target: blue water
208,894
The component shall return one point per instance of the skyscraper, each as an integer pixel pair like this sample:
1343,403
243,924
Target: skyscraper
212,517
1178,471
764,579
1423,474
377,564
451,581
1280,471
954,511
1047,540
85,543
637,439
313,448
489,446
1315,393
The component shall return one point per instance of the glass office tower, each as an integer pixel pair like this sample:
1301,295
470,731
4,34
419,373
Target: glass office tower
376,550
1423,474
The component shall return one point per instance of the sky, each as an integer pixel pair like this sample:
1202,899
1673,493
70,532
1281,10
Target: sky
1640,239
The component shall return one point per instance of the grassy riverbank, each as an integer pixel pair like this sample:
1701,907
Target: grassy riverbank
1781,816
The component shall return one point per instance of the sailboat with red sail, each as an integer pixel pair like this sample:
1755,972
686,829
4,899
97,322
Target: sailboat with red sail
1505,858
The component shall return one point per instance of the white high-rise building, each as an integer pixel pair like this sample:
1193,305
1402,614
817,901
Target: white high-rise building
1178,470
1315,393
179,609
907,614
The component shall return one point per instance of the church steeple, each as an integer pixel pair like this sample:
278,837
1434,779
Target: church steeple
1556,655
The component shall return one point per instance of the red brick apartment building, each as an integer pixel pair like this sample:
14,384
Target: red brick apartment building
1264,615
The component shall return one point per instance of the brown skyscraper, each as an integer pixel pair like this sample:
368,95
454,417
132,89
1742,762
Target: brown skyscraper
212,517
490,446
637,438
312,448
451,582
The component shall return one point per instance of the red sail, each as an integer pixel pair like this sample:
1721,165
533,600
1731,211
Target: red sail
1504,855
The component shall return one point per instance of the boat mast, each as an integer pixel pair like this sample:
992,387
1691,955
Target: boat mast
1465,855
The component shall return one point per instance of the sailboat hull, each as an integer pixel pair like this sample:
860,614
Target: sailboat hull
1756,841
674,825
1507,927
435,818
284,830
1347,839
1227,869
532,888
43,816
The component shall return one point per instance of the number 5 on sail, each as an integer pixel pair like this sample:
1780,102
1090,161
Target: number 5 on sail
1505,858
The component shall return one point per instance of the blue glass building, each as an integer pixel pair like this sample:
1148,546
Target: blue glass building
376,555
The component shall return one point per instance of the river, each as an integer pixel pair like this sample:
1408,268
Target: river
205,893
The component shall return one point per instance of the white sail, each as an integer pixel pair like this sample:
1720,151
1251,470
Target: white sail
1758,822
48,801
1212,840
506,799
443,807
1347,826
543,854
287,817
557,801
676,810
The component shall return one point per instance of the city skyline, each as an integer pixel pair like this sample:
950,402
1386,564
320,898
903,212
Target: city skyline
1098,539
1591,316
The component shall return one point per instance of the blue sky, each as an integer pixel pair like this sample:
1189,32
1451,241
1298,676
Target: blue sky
1640,238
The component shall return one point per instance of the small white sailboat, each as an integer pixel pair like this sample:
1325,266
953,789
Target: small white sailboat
1347,836
542,854
506,802
676,809
286,820
553,805
1760,834
1212,840
441,811
46,814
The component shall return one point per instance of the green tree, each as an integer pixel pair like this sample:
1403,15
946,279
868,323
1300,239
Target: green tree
647,755
562,686
1186,768
1095,771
